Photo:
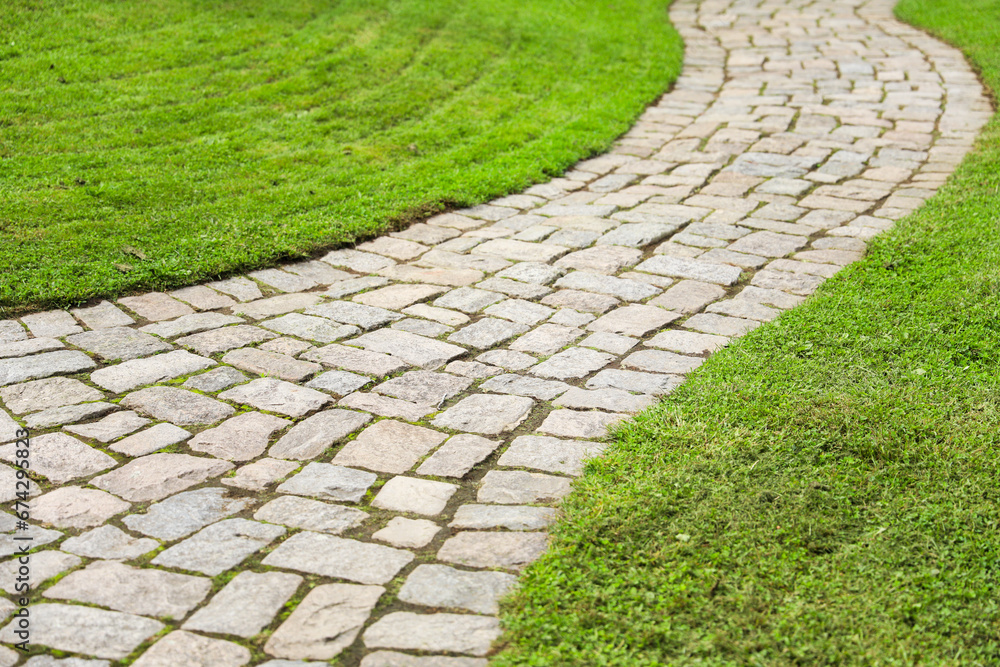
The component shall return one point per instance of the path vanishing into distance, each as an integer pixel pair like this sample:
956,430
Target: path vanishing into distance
377,440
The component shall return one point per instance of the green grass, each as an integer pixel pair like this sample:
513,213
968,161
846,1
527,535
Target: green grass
827,491
155,144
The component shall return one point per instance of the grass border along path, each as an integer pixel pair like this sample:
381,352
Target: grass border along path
155,145
825,492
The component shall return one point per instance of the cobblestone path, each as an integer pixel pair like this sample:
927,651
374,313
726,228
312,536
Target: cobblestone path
353,457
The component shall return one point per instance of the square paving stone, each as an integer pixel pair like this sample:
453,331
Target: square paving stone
419,496
324,480
387,407
226,338
520,385
454,633
408,533
601,259
633,320
511,517
43,566
246,605
152,439
47,393
389,446
325,623
43,365
353,359
458,456
109,543
113,426
272,364
655,384
178,406
330,556
75,507
688,342
486,414
296,512
215,380
487,333
411,348
189,649
51,324
119,343
546,339
338,383
184,513
692,269
219,547
190,324
577,300
310,327
85,630
138,372
550,454
576,362
445,587
60,457
157,476
102,316
346,312
277,396
509,551
260,474
312,436
614,400
424,387
516,487
142,591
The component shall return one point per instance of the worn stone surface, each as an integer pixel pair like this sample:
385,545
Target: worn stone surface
692,269
157,476
487,333
202,298
389,446
240,438
411,348
139,372
387,407
455,633
190,324
441,586
102,316
521,385
310,437
246,604
720,325
177,406
578,300
21,348
407,533
458,456
353,359
509,359
423,386
277,396
118,343
187,648
337,557
75,507
109,543
60,457
184,513
43,365
579,424
550,454
688,342
226,338
338,383
47,393
422,327
152,439
417,496
655,384
331,482
86,630
51,324
511,517
325,623
219,547
271,364
615,400
509,551
515,487
67,414
296,512
605,259
661,362
260,474
113,426
623,288
310,327
576,362
546,339
486,414
42,565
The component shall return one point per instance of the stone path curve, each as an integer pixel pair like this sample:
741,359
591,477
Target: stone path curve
375,442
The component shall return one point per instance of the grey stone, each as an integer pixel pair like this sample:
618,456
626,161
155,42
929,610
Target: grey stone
615,400
468,299
246,605
296,512
219,547
242,289
11,331
633,320
190,324
514,288
423,387
277,396
396,248
550,454
688,296
67,414
330,556
323,480
189,649
355,260
387,407
577,300
546,339
520,251
600,259
352,359
511,517
472,369
661,362
226,338
142,591
43,565
688,342
276,305
445,587
414,274
745,308
43,365
571,318
37,536
457,456
532,272
344,288
8,427
51,324
106,634
623,288
178,406
508,359
338,383
47,393
509,551
609,342
311,437
443,315
155,306
417,496
60,457
23,348
109,543
515,487
637,234
113,426
520,385
796,283
455,633
486,414
411,348
325,623
49,661
184,513
346,312
576,362
768,244
576,424
283,282
719,325
138,372
310,327
487,333
570,238
260,474
75,507
693,269
422,233
118,343
215,380
157,476
408,533
152,439
422,327
518,310
446,259
644,383
389,446
202,298
271,364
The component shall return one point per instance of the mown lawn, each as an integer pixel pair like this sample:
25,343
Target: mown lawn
827,491
153,144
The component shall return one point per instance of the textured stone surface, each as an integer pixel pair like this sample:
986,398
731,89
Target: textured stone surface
549,454
47,393
394,659
359,361
614,400
487,333
486,414
688,342
659,361
190,324
226,338
389,446
184,513
656,384
60,457
423,386
310,437
43,365
296,512
106,634
445,587
456,633
325,623
679,267
407,533
416,496
42,565
119,343
240,438
509,551
102,316
411,348
576,362
509,359
219,547
457,456
337,557
187,648
511,517
246,604
260,474
546,339
338,383
67,414
215,380
148,441
177,406
360,315
109,543
159,475
74,507
271,364
113,426
387,407
277,396
516,487
331,482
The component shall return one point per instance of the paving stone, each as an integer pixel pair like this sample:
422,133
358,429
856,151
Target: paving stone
60,457
446,259
331,482
102,316
311,328
601,259
11,331
276,305
178,406
423,387
535,273
614,400
260,474
389,446
422,233
43,365
411,348
184,513
688,342
330,556
486,414
224,339
518,310
283,282
338,383
155,306
445,587
109,543
520,385
577,300
688,296
637,234
344,288
113,426
215,380
408,533
550,454
75,507
277,396
242,289
571,318
661,362
9,427
138,372
416,274
271,364
768,244
246,605
355,260
472,369
443,315
577,424
744,308
152,439
509,551
67,414
633,320
43,566
86,630
202,298
318,272
609,342
511,517
23,348
296,512
795,283
346,312
385,406
628,290
692,269
325,623
546,339
455,633
187,648
520,251
49,661
418,496
189,324
569,238
645,383
468,299
142,591
288,346
157,476
352,359
720,325
576,362
9,544
314,435
47,393
51,324
515,487
399,249
508,359
487,333
422,327
219,547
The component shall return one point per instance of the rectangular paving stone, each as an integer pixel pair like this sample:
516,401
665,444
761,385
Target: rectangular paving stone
273,364
67,414
260,474
102,316
659,361
768,244
516,487
313,435
330,556
534,273
276,305
546,339
411,348
423,386
138,372
157,476
240,438
634,381
278,396
202,298
447,259
111,427
47,393
23,348
184,513
330,482
414,496
688,296
215,380
219,547
590,424
637,234
246,605
720,325
109,543
407,533
389,446
51,324
85,630
487,332
688,342
399,249
457,456
360,315
428,234
550,454
11,331
518,310
454,633
282,281
60,457
633,320
603,259
310,327
226,338
422,327
511,517
520,251
627,290
520,385
397,297
353,359
384,406
156,306
119,343
180,647
468,299
177,406
189,324
679,267
576,362
508,359
408,273
344,288
509,551
441,315
578,300
43,566
614,400
297,512
609,342
441,586
152,439
486,414
355,260
319,272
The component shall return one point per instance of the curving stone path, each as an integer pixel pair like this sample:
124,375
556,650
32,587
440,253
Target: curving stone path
354,457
